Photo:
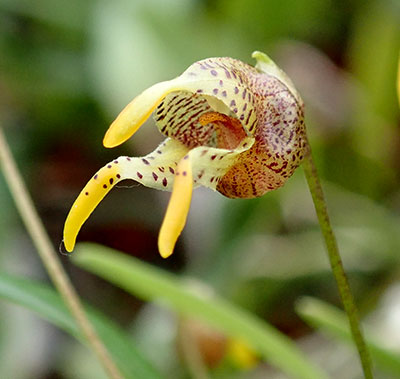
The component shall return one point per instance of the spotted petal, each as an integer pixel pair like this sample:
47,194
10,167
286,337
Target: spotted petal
231,127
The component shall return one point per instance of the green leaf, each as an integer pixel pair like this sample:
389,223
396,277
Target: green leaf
334,322
195,300
47,303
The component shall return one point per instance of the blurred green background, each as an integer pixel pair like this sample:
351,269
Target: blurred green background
68,67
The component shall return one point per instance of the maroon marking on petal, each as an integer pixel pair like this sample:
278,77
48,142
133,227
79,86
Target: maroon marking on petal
159,152
221,157
104,185
140,176
116,162
214,73
236,90
155,176
186,157
224,93
242,117
109,166
86,193
215,91
235,110
221,83
95,177
244,107
111,180
200,174
164,182
204,152
128,159
184,173
213,157
212,179
171,170
199,91
244,94
161,169
227,74
118,176
233,103
145,161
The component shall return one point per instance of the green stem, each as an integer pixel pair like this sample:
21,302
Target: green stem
49,257
336,263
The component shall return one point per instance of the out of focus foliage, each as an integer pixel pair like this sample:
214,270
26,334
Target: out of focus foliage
68,67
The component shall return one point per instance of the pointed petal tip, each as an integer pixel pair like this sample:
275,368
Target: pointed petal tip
87,201
178,208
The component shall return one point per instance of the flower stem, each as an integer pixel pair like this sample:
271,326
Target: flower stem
335,260
49,257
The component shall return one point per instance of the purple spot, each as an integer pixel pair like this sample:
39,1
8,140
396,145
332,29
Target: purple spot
86,193
155,176
235,110
140,176
116,162
104,185
95,177
215,91
165,182
118,176
236,90
221,83
184,173
245,107
111,180
233,103
186,157
145,161
228,75
199,91
214,73
109,166
224,93
128,159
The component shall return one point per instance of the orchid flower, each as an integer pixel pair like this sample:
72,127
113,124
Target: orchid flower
231,127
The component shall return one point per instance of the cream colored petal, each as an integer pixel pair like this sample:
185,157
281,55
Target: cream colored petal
266,65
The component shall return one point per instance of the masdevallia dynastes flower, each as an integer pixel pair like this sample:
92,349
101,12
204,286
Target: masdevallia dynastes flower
229,126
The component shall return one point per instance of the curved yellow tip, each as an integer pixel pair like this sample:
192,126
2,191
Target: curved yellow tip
87,201
178,208
136,113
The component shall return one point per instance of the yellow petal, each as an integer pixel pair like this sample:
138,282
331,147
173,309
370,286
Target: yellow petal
87,201
155,170
178,208
137,112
